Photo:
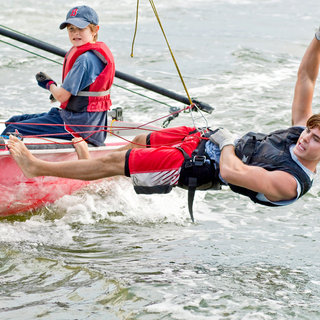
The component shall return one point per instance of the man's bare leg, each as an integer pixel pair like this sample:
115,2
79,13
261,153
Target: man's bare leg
22,156
112,164
83,152
139,141
81,148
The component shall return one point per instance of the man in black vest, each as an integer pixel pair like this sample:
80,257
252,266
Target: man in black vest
274,169
280,184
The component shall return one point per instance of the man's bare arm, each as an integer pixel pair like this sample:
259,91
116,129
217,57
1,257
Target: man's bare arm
275,185
306,80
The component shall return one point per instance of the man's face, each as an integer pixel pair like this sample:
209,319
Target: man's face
307,148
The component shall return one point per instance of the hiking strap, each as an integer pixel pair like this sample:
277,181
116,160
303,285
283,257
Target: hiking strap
197,160
191,192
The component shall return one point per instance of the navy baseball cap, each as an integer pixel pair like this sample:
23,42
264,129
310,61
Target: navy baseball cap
80,17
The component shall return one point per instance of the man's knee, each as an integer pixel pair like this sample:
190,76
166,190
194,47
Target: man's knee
114,162
140,141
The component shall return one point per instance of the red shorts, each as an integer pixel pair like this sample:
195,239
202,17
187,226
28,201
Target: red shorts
168,136
157,169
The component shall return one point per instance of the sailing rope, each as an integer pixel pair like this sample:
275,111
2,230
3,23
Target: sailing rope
110,129
168,45
135,29
31,52
193,106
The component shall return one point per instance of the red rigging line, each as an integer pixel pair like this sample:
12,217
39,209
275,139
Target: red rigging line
110,129
102,128
95,126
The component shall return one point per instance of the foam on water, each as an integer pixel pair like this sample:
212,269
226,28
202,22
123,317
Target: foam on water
37,231
111,201
115,200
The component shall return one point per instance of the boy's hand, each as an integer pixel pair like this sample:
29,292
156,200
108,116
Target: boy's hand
44,81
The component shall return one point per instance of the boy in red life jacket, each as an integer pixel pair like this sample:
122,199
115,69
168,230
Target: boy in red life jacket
88,73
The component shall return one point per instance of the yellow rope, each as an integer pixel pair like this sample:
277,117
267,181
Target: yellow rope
135,29
165,37
174,60
112,122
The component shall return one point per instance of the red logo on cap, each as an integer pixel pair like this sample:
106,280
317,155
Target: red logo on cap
74,12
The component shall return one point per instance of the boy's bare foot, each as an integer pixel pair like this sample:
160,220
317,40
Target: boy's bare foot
22,156
81,148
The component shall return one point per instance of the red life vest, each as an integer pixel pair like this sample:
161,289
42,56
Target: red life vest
95,97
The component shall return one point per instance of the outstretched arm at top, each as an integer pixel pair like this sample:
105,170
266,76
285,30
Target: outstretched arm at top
306,81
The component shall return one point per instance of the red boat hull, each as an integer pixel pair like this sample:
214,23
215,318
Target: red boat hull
19,194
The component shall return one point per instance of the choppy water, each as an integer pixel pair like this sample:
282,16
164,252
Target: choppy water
107,253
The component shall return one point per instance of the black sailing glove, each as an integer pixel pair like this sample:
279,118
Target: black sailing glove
44,81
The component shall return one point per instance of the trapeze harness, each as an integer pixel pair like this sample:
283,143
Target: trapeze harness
198,172
95,97
271,152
